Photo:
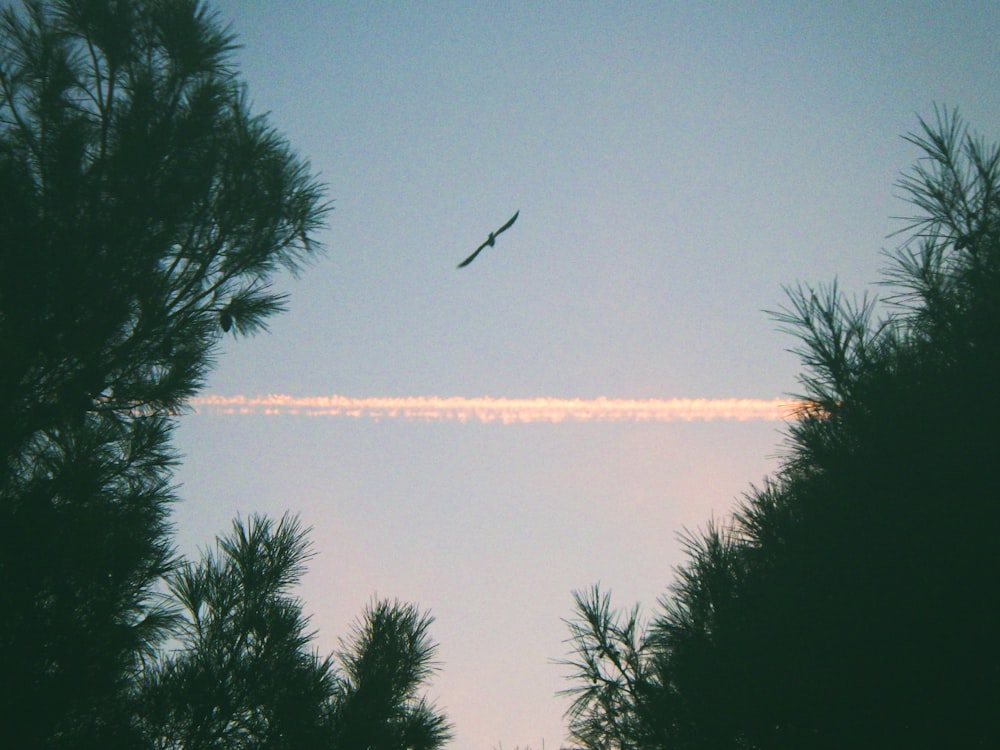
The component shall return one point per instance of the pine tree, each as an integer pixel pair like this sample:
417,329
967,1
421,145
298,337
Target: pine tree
145,211
243,673
852,599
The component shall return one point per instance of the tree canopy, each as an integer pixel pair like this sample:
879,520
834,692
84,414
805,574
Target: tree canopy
383,664
851,600
146,209
243,674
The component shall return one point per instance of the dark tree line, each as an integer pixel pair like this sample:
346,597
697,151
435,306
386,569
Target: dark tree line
853,599
145,211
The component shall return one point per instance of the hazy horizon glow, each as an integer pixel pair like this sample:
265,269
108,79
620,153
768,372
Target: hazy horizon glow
503,410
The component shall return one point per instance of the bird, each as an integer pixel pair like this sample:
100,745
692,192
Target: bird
491,240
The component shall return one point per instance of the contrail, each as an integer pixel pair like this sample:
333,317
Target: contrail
505,410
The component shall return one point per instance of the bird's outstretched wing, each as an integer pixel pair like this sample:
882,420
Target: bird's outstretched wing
472,257
508,225
490,240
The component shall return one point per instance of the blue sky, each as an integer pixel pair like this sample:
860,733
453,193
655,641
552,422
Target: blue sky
675,164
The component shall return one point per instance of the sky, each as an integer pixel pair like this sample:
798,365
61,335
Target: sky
482,442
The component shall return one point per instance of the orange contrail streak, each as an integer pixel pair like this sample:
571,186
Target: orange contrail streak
505,410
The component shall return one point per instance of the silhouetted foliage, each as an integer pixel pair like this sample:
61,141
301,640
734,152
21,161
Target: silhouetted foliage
852,601
608,667
145,210
242,675
384,663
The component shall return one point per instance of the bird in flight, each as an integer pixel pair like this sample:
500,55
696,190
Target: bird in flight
491,240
